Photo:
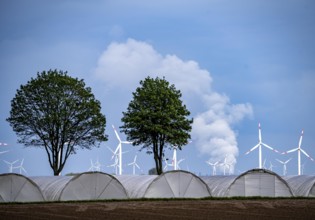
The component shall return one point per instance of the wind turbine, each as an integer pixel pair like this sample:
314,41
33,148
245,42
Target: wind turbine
95,166
92,166
284,165
226,164
119,148
20,167
299,150
10,165
115,164
214,169
259,145
271,166
134,165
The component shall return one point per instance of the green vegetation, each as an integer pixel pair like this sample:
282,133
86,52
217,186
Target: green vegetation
155,118
58,113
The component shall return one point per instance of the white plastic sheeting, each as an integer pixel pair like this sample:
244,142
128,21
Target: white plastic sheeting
256,182
172,184
17,188
136,186
84,186
219,184
302,185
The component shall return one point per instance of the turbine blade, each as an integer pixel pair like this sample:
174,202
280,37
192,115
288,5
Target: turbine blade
259,132
290,151
252,149
2,152
301,137
116,134
165,167
181,160
280,161
110,150
288,161
209,163
14,162
307,154
117,148
270,147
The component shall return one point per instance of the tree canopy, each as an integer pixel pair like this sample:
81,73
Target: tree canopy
156,118
57,112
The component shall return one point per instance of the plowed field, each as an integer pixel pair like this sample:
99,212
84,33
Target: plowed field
171,209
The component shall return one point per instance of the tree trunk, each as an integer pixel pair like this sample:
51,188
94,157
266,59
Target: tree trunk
157,158
56,173
160,171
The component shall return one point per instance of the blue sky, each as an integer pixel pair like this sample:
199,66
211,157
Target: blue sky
237,63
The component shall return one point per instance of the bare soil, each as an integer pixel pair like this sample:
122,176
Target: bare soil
169,209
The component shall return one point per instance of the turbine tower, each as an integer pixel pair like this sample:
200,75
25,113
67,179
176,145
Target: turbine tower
299,150
176,163
259,145
284,165
119,148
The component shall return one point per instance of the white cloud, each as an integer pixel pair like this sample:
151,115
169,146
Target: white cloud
123,65
212,129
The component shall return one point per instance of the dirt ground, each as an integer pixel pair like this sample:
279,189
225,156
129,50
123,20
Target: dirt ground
171,209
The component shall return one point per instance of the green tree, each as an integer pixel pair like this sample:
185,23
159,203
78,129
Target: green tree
156,118
58,113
